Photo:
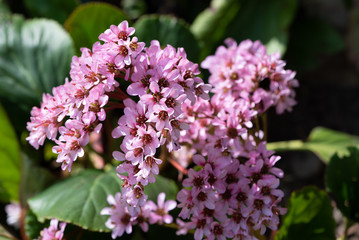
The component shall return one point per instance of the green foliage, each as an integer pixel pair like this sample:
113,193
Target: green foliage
58,10
263,20
342,180
167,30
4,9
89,20
267,21
32,226
79,199
309,216
322,141
9,160
162,185
35,57
210,25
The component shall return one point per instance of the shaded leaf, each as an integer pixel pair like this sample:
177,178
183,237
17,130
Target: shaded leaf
210,25
161,185
267,21
313,41
34,178
35,56
309,216
9,160
134,8
167,30
322,141
4,9
342,180
32,226
89,20
58,10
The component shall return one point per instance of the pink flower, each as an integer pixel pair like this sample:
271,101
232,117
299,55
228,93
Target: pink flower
160,211
52,232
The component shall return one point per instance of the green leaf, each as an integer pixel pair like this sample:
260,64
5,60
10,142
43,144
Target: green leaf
342,180
211,24
89,20
162,184
309,216
79,199
9,160
35,56
263,20
167,30
58,10
322,141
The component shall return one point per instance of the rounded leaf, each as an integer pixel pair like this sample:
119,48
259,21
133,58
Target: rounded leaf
35,56
89,20
167,30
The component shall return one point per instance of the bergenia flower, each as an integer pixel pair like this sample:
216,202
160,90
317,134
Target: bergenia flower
160,211
13,211
54,232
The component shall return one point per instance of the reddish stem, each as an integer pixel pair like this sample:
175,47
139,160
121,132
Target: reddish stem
178,166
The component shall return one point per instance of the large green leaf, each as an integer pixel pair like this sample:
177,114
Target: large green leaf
79,199
167,30
342,180
89,20
9,160
309,216
54,9
35,57
322,141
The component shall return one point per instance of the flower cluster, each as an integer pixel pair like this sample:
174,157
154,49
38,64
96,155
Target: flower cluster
234,192
162,79
75,109
122,218
246,71
54,232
